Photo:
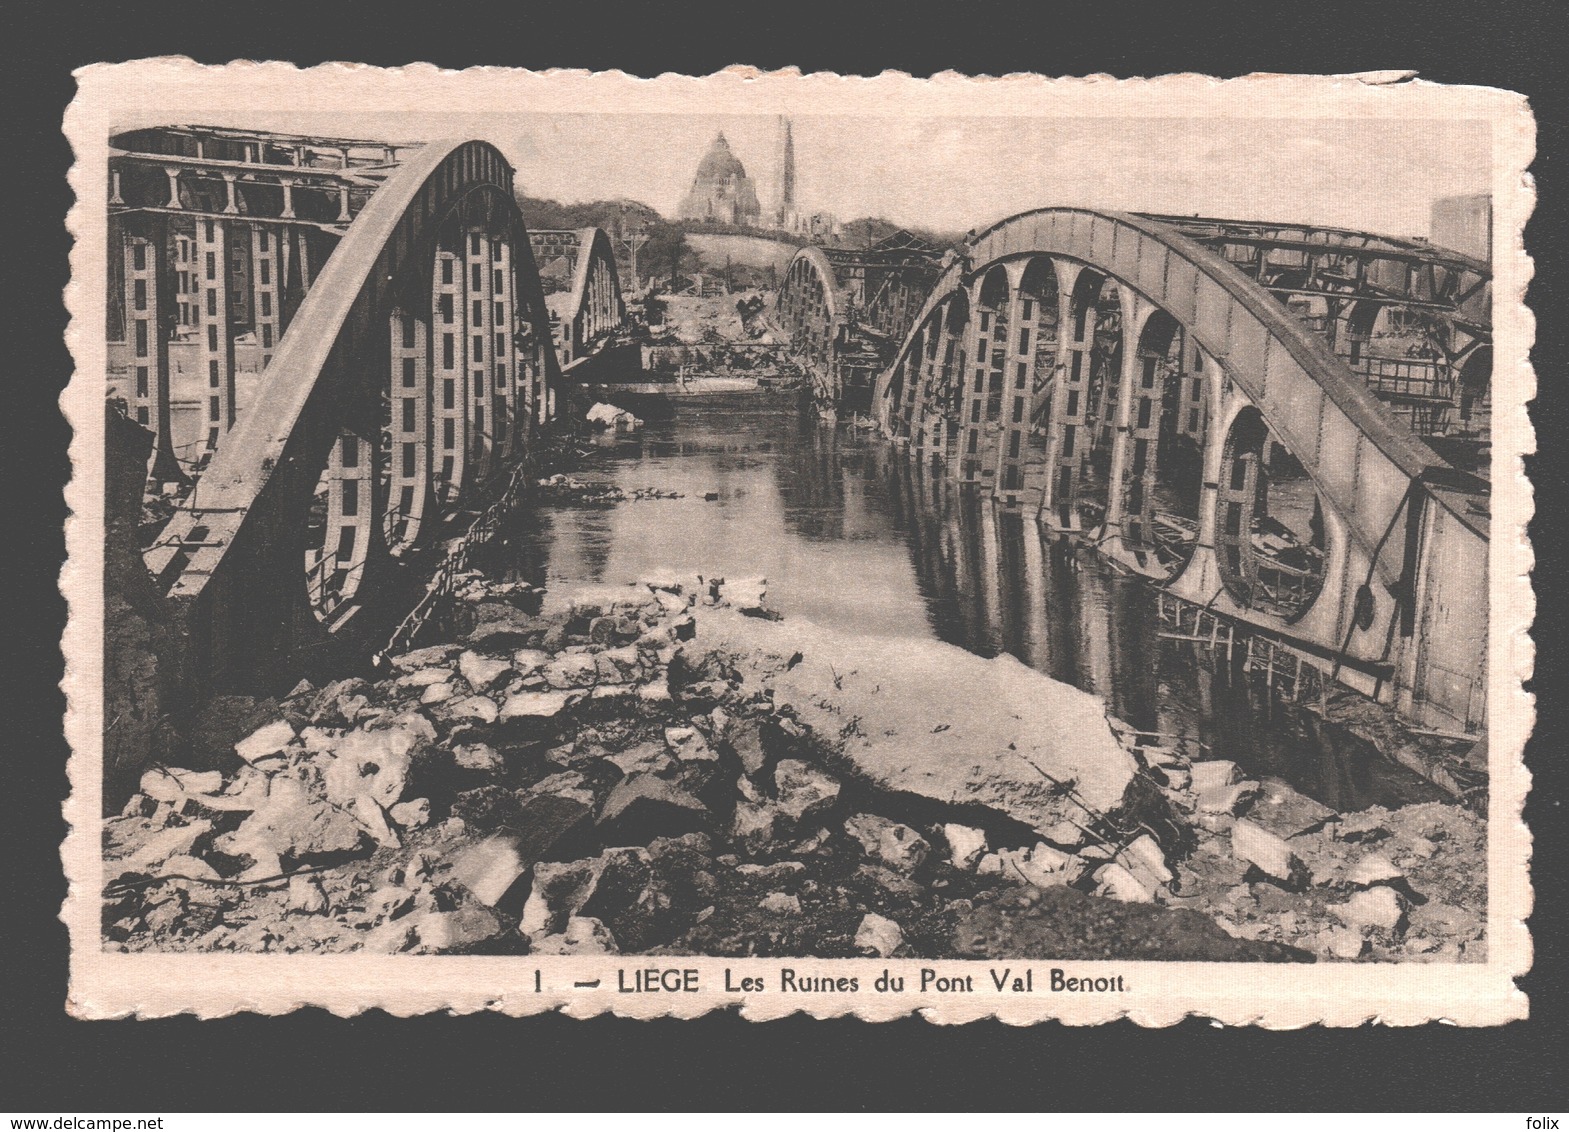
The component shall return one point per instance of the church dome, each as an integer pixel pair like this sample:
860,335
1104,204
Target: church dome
719,162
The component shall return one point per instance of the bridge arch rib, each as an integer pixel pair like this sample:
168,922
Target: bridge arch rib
811,308
417,364
1235,345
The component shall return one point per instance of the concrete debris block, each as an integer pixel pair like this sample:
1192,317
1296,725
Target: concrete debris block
771,873
458,930
296,825
193,868
424,678
373,816
1178,779
422,658
572,670
265,742
644,758
306,895
391,938
805,792
1040,865
567,784
173,785
526,662
889,842
879,935
1256,846
489,868
671,602
1233,799
606,416
745,740
1118,883
138,806
1286,811
990,864
780,904
1372,909
481,757
584,935
411,815
652,805
390,901
1211,775
745,593
482,672
1375,868
479,709
657,692
1342,943
535,706
755,825
619,663
599,886
688,745
373,763
1145,855
662,583
437,693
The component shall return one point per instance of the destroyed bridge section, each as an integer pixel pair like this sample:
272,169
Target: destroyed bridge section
1239,411
404,365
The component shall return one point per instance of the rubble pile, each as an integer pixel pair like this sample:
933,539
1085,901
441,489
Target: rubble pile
561,488
1270,863
671,768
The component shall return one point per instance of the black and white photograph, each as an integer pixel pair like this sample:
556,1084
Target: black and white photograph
982,549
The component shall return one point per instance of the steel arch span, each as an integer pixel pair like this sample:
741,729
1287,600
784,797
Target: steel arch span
416,368
844,311
1119,377
592,306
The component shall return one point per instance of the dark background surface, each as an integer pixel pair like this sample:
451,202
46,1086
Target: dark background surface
311,1060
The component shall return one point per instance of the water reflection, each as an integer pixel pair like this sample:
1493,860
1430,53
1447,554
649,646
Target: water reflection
850,534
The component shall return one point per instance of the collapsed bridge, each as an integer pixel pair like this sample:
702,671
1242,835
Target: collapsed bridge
1249,414
362,331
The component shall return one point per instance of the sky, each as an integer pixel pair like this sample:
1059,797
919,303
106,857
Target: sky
953,173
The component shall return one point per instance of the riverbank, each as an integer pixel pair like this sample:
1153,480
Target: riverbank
672,767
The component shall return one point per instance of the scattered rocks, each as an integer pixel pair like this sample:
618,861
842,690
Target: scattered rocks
1379,909
888,842
966,845
1269,854
879,935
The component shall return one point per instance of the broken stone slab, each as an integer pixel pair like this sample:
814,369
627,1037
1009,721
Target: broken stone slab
438,693
600,887
803,791
1379,909
151,847
688,745
479,757
1375,868
889,842
1256,846
1040,865
1287,812
374,763
1229,800
459,930
294,824
966,845
584,935
745,740
566,784
572,670
1210,775
646,805
1118,882
265,742
172,785
424,677
535,706
412,814
879,935
482,672
1143,855
306,895
193,868
478,709
919,728
644,758
780,904
755,825
1342,943
422,658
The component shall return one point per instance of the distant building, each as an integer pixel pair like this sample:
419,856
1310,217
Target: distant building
1464,225
722,191
787,214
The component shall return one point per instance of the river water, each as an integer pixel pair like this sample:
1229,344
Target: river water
848,535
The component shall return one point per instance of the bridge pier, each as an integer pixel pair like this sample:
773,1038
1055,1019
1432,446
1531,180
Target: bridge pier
1067,429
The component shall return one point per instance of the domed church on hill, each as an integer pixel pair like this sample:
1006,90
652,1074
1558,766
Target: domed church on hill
722,191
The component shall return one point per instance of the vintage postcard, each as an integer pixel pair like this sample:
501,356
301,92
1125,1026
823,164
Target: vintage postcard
1024,548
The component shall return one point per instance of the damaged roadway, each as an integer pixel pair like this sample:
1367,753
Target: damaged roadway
671,768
